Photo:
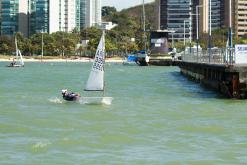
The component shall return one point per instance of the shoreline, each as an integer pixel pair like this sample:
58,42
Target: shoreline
61,60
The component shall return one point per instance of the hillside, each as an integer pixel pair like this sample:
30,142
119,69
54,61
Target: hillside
135,14
130,27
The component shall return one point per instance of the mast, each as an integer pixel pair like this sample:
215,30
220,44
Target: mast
210,30
230,31
144,27
16,47
42,46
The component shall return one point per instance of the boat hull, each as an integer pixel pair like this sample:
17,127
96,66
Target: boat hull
142,62
15,65
96,100
130,63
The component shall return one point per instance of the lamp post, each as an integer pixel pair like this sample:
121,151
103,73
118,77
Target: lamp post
184,38
230,31
144,26
190,18
210,29
42,46
86,41
189,21
185,30
63,31
172,31
197,29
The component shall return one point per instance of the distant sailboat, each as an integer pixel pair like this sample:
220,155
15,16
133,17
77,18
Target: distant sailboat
19,62
95,82
130,60
143,58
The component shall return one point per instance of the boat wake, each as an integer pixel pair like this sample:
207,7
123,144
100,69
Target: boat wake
41,145
96,100
56,100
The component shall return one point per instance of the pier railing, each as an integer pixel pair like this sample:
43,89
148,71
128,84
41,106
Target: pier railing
217,56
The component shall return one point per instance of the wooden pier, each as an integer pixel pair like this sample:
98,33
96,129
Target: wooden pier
230,80
227,79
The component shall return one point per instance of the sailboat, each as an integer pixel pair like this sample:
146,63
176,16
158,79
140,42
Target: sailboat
95,82
143,58
19,62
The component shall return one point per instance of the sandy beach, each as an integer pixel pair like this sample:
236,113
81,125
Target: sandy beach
82,59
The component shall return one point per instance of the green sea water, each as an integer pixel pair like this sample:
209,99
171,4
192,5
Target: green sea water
157,117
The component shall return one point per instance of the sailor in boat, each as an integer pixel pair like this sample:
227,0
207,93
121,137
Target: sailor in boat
12,63
70,96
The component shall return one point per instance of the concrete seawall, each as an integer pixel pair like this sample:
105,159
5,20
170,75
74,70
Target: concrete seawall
229,80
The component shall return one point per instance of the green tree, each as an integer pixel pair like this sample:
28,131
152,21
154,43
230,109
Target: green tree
219,37
180,46
108,11
93,35
6,45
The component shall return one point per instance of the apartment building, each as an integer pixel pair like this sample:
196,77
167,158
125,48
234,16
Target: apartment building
0,15
217,15
240,19
14,16
221,15
180,16
93,10
176,15
32,16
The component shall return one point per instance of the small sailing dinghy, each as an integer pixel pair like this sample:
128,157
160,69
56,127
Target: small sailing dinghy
19,62
95,82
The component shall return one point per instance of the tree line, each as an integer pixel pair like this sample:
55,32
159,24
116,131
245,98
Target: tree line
62,43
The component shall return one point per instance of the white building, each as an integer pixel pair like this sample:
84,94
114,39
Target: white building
108,25
70,15
57,15
93,13
56,20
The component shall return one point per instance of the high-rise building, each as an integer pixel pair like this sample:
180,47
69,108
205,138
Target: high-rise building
156,25
0,15
176,15
39,17
52,16
221,15
240,19
80,14
83,13
93,10
32,16
217,15
70,15
180,16
14,17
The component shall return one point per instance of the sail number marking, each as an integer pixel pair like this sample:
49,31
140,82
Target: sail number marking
99,60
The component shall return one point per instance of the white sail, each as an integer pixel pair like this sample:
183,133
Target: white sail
96,78
21,59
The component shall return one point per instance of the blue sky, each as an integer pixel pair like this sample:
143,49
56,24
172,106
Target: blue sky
122,4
